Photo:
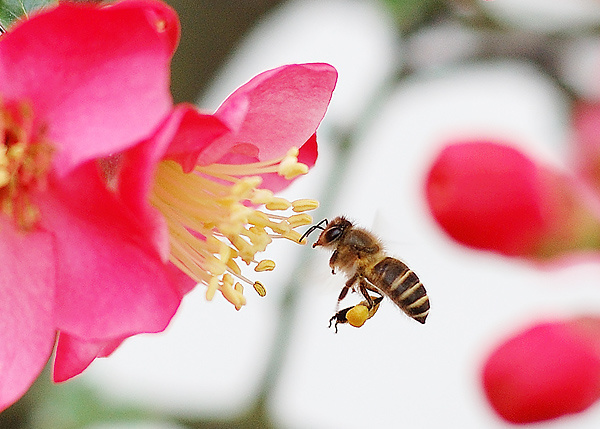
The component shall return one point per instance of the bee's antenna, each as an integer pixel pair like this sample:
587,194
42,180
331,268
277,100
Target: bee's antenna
313,228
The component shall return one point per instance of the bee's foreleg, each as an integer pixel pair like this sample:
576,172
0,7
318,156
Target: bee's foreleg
333,260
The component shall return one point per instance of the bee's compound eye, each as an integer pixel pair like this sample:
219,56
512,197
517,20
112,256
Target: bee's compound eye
333,234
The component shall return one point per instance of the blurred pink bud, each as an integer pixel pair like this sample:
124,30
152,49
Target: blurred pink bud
547,371
493,197
586,123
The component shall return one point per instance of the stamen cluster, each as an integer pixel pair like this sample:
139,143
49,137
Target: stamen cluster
25,159
218,214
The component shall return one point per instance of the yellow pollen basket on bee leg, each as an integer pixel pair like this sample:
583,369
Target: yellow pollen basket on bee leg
357,315
215,219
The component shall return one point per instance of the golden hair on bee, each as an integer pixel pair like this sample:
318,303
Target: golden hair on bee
360,255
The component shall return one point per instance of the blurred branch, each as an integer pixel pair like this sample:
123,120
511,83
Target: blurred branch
210,31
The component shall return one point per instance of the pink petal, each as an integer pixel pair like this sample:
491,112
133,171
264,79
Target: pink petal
27,329
110,282
180,281
126,291
97,88
309,151
74,355
545,372
185,130
160,14
195,131
283,108
273,181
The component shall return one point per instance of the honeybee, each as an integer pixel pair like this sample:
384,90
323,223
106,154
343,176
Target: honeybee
370,271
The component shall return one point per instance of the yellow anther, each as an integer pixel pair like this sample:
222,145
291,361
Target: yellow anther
304,205
245,187
3,155
278,204
292,170
292,235
213,285
16,151
241,302
227,280
161,25
257,230
259,243
229,201
300,220
4,177
239,288
224,253
240,214
234,267
232,295
265,265
259,219
215,266
260,289
289,167
259,238
241,245
231,229
292,152
262,196
357,315
280,227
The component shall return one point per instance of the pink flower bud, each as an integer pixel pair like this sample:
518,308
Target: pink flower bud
493,197
547,371
586,123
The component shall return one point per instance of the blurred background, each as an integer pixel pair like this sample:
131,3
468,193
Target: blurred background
414,75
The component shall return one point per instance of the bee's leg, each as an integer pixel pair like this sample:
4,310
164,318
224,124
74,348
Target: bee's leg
346,288
342,315
339,317
363,291
364,287
376,301
333,260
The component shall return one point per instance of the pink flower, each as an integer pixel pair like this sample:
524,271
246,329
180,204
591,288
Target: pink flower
547,371
74,87
490,196
114,202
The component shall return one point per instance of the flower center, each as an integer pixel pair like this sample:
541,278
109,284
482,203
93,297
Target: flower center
213,220
25,159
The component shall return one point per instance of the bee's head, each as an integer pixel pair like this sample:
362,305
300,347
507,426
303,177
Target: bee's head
331,232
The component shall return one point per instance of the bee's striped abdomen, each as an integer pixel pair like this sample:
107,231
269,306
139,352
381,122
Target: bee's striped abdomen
402,286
